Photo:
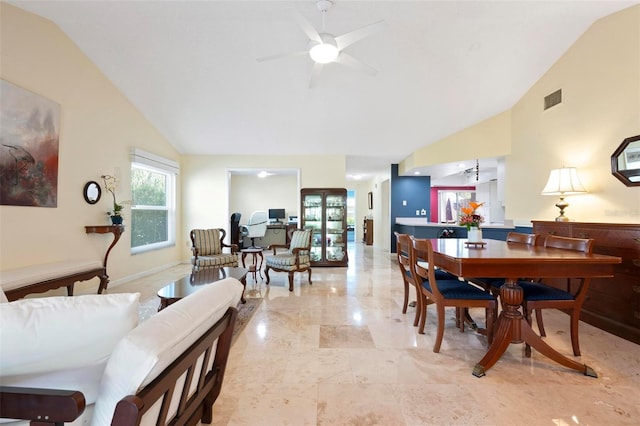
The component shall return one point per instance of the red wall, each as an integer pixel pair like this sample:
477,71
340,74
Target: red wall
433,198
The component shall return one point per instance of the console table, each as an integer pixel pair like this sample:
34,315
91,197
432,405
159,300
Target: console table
116,230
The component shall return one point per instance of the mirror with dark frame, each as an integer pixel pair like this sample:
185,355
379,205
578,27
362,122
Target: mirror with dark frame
92,192
625,161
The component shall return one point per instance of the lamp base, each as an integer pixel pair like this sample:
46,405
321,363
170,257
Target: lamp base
562,204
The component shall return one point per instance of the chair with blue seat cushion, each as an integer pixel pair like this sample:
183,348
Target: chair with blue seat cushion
207,246
402,251
446,293
493,284
296,258
538,296
403,243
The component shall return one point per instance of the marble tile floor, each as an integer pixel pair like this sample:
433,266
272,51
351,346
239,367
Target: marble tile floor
340,352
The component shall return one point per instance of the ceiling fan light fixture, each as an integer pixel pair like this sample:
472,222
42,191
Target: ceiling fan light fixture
323,53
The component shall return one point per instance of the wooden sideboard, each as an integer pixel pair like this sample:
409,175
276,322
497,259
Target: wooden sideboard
367,232
612,304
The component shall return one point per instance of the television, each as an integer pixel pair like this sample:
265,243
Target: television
276,215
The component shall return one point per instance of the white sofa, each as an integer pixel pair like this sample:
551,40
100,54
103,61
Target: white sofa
122,370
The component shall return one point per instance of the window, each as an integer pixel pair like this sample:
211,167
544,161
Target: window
450,202
153,187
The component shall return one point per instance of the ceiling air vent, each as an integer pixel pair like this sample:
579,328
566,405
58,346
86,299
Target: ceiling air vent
553,99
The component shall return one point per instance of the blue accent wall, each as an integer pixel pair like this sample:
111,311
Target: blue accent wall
415,190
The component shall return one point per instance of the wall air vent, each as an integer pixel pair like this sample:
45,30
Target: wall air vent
553,99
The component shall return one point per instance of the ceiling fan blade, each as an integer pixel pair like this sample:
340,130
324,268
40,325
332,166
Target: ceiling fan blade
350,61
315,72
308,29
281,55
351,37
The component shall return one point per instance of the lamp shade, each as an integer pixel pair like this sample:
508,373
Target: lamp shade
563,181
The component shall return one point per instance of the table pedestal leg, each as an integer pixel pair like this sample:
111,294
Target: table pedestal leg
513,328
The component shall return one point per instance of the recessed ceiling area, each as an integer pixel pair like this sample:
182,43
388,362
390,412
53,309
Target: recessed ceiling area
459,172
442,66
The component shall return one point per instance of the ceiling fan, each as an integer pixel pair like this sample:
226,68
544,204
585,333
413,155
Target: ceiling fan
325,48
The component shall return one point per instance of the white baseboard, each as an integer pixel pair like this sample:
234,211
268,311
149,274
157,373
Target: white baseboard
142,274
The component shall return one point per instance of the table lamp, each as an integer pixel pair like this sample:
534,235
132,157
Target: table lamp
563,182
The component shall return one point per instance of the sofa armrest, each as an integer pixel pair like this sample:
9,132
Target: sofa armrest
44,406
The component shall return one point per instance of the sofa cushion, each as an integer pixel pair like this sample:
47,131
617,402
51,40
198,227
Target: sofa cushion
156,343
287,261
63,342
222,259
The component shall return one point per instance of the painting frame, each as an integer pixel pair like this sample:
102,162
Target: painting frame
29,148
370,200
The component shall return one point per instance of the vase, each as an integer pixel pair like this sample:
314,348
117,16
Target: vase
474,235
116,220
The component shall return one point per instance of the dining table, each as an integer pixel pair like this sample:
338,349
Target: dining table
500,259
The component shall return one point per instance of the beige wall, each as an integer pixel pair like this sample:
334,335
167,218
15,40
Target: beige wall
490,138
599,75
206,183
600,81
98,126
249,193
361,189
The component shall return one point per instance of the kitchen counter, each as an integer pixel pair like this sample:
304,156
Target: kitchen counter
419,227
421,221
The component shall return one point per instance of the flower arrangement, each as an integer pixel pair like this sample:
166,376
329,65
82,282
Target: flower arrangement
110,185
469,217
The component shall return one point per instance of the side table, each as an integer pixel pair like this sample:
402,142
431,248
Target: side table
116,230
254,268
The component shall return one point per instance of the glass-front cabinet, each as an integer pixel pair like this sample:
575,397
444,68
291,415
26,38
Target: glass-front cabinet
324,211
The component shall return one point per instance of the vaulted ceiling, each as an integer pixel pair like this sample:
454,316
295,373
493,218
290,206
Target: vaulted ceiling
190,67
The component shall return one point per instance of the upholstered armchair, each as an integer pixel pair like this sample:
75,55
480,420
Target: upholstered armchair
296,257
207,246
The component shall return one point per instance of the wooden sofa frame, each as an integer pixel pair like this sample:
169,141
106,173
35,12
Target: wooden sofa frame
54,407
67,281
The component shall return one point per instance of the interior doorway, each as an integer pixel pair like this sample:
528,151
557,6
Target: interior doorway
351,216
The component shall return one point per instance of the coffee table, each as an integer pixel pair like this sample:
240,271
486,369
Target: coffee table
190,284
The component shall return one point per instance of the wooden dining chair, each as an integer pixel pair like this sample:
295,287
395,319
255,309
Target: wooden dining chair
493,284
538,296
403,246
445,293
402,250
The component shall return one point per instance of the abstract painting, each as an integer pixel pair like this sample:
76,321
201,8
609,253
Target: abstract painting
29,130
